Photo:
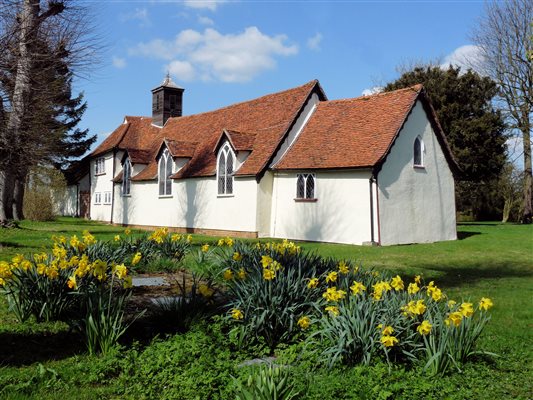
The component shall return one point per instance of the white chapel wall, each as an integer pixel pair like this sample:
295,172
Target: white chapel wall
101,183
194,203
416,205
341,213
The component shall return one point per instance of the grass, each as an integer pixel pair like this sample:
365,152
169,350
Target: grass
489,259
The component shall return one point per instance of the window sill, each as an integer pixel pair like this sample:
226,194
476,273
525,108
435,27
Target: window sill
419,166
225,195
126,195
107,204
305,200
166,196
99,174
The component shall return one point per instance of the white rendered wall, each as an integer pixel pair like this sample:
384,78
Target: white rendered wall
194,204
416,205
100,184
67,204
341,213
264,204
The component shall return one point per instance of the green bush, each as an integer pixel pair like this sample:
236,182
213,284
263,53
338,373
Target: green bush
267,383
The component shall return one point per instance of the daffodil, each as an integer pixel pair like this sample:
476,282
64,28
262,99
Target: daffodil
120,271
389,341
205,248
266,261
205,291
242,273
397,283
331,277
237,256
454,318
424,328
175,237
269,274
466,309
117,238
388,330
332,294
413,288
418,279
313,283
485,303
333,310
228,275
236,314
71,283
357,287
451,303
343,268
127,231
304,322
136,258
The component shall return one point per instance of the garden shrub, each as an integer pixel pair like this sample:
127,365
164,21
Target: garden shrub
268,382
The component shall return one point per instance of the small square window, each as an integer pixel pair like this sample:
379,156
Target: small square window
107,197
98,198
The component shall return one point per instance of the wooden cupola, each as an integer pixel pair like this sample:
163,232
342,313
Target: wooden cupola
166,101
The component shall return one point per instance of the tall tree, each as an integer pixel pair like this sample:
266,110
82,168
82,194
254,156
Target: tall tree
504,37
41,43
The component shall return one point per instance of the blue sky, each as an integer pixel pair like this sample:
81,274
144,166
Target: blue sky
224,52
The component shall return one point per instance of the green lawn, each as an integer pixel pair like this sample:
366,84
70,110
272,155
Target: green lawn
489,259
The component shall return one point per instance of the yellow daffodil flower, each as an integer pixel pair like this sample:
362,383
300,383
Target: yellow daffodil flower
236,314
269,274
343,268
313,283
389,341
424,328
237,257
228,275
413,288
331,277
304,322
333,310
397,283
485,303
205,248
466,309
357,288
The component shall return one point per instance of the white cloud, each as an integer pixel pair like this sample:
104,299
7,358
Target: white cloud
314,42
215,56
119,62
139,14
372,90
205,20
467,56
181,69
205,4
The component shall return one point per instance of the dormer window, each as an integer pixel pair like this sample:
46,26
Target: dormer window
225,170
418,152
165,171
126,178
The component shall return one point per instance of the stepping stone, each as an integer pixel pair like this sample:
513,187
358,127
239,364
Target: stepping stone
149,281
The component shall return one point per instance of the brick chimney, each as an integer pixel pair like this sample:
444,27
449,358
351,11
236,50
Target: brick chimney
166,101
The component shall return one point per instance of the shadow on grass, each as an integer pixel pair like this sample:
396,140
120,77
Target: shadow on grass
466,275
18,349
10,245
461,235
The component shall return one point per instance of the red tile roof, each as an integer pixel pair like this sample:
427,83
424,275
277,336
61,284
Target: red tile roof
268,118
352,133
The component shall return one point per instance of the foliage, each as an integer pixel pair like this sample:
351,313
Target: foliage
44,186
267,289
268,383
193,302
103,323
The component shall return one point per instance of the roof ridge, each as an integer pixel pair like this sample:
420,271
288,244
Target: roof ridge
314,81
414,88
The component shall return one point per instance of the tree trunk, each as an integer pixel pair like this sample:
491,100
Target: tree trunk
28,18
18,199
6,196
527,210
